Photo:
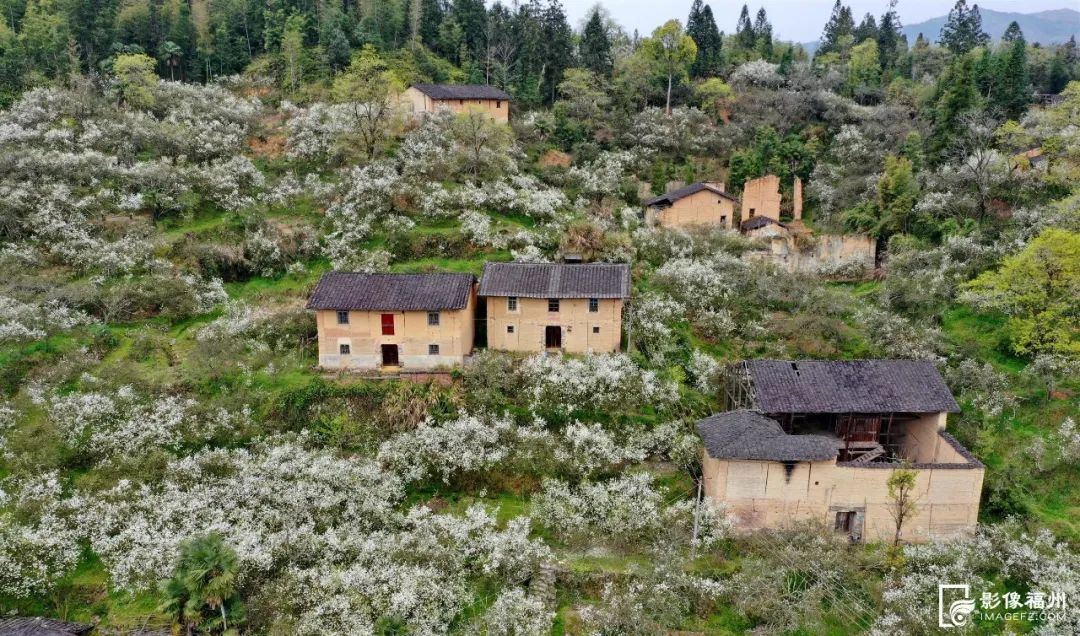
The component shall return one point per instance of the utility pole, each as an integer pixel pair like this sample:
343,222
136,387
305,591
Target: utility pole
697,514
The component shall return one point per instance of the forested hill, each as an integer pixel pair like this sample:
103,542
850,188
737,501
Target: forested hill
1045,27
177,177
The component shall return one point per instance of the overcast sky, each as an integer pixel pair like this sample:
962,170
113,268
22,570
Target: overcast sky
796,20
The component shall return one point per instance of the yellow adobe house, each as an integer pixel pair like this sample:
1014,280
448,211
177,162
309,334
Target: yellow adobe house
431,98
394,321
694,204
818,440
555,307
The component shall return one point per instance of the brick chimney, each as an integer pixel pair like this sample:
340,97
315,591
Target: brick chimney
796,212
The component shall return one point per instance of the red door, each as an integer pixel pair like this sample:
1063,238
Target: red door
388,324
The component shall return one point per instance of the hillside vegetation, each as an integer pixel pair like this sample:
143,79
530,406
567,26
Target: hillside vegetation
175,177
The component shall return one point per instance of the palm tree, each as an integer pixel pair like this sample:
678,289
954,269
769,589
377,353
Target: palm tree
202,595
172,52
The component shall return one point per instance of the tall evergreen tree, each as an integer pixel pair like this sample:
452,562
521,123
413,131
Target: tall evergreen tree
867,29
955,94
840,25
963,29
558,43
1014,94
889,36
744,30
471,16
701,26
595,47
763,35
431,17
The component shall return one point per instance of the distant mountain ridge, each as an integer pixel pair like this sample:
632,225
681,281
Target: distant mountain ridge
1053,26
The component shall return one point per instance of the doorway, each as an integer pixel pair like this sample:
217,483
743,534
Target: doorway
553,337
390,355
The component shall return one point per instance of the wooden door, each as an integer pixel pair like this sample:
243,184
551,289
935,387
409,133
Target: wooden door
390,355
553,337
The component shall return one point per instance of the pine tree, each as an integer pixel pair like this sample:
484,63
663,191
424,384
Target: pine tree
867,29
963,29
954,95
889,36
595,48
763,35
472,17
558,46
744,31
1015,92
431,17
840,24
701,26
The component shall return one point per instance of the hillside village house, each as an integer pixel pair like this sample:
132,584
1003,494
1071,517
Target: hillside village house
694,204
818,440
431,98
555,307
394,321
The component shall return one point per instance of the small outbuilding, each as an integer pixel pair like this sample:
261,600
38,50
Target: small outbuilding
555,307
695,204
394,321
459,98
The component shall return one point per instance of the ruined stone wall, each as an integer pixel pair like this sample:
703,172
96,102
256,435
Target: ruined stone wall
825,254
761,197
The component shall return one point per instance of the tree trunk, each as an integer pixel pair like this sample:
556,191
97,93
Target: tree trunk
669,93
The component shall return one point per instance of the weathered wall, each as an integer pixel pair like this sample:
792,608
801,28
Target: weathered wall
760,494
761,197
412,334
700,208
827,252
499,110
922,444
575,319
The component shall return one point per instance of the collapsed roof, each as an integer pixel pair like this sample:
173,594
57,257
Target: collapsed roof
750,435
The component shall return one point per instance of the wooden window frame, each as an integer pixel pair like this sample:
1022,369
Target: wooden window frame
387,325
342,314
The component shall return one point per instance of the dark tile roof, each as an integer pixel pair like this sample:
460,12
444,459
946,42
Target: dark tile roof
750,435
757,223
668,198
391,292
849,386
39,626
462,91
554,280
